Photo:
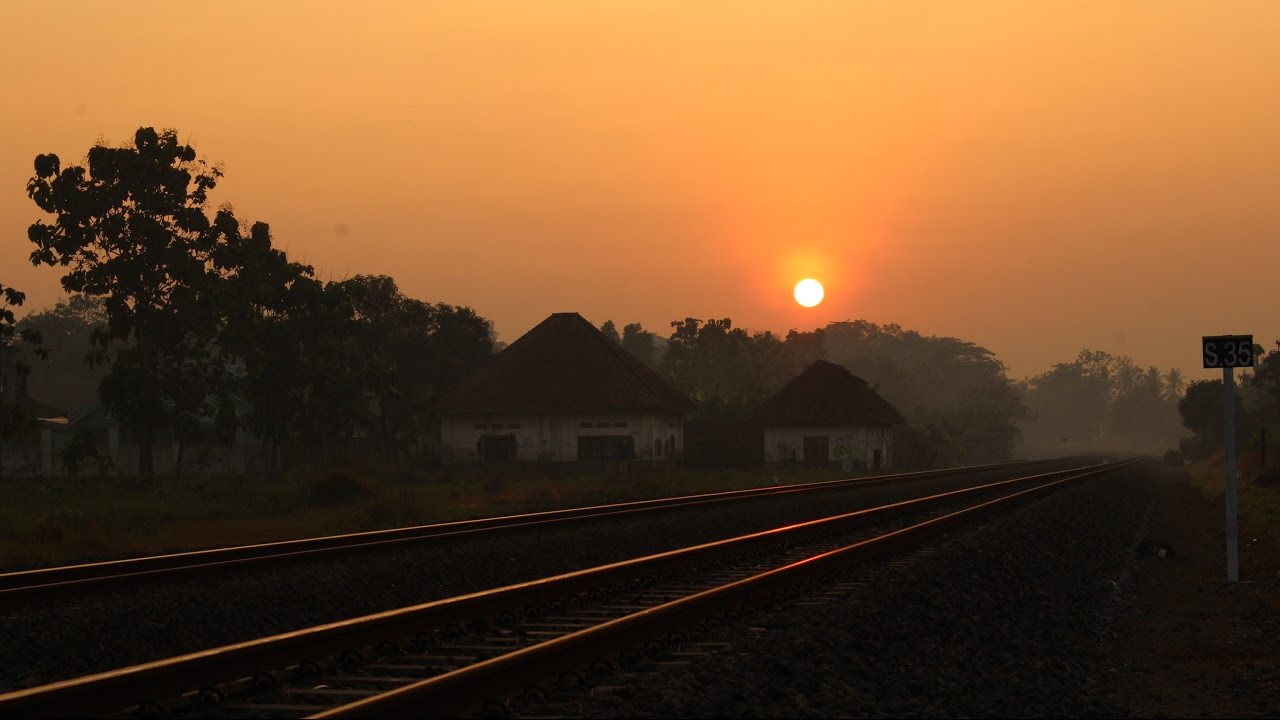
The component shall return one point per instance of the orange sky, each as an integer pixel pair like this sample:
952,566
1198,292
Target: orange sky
1036,177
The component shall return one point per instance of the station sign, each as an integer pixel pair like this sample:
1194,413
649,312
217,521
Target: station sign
1227,351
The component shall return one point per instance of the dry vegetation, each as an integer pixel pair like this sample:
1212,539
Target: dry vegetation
1259,502
65,520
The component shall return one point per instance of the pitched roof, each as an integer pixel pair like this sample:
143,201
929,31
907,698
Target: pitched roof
826,394
562,364
33,408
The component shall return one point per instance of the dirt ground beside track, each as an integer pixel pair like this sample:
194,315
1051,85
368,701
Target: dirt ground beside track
1188,643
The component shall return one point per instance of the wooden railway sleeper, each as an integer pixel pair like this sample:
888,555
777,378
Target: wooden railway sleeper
536,694
210,695
149,710
571,679
350,659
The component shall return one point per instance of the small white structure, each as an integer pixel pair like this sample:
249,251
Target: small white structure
562,392
828,415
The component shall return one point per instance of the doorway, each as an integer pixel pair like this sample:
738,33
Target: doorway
817,451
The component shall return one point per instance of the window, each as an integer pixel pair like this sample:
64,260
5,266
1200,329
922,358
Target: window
657,447
496,447
603,424
480,426
585,425
512,426
619,424
605,447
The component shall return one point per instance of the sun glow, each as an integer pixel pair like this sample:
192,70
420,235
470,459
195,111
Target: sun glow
809,292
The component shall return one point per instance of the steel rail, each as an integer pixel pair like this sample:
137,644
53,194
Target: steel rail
174,677
514,671
28,586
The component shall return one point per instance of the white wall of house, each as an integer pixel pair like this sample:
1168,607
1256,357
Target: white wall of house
554,437
855,445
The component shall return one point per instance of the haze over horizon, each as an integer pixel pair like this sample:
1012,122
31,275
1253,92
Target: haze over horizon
1035,178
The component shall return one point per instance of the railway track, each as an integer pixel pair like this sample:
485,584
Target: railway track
59,583
450,655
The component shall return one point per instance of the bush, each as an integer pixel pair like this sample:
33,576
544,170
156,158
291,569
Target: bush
1174,458
645,489
404,509
336,489
1270,478
55,526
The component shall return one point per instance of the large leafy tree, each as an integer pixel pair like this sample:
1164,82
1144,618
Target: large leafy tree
1265,384
641,343
411,351
721,367
269,331
130,227
1263,402
1203,413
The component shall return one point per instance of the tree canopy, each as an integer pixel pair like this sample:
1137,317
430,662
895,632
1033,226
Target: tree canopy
130,227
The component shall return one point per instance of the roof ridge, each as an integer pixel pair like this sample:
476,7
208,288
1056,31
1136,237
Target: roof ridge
816,396
634,366
562,363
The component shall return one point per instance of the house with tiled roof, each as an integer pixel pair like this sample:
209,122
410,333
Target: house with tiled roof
562,392
829,416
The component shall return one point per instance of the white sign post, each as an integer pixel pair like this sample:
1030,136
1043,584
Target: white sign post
1229,352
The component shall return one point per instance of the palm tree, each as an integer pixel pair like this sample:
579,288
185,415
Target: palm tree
1174,384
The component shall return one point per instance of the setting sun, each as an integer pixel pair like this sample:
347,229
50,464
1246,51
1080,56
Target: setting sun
809,292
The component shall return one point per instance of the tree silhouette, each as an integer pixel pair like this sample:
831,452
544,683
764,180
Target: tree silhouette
13,419
1174,384
11,298
412,350
272,328
610,331
131,228
641,343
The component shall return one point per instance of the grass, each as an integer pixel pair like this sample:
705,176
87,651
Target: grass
59,521
1259,505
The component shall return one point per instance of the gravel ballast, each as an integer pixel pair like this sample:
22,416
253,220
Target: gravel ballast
1010,619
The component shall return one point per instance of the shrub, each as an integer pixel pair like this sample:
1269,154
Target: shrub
336,489
55,526
404,509
1174,458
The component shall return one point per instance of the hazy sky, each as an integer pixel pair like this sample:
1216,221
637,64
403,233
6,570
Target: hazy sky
1036,177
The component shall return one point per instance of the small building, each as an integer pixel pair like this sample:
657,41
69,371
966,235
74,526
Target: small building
827,415
93,442
562,392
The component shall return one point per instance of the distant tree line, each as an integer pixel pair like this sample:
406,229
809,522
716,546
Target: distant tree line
960,405
1103,401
